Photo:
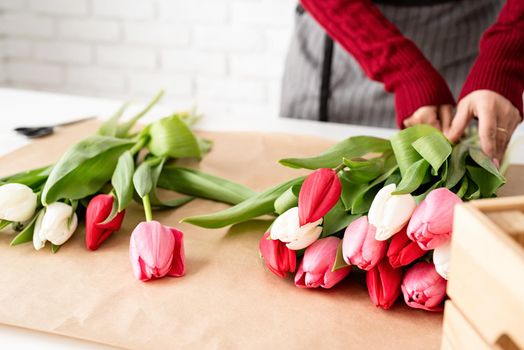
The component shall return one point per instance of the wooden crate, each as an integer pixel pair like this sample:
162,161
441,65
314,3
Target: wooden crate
486,278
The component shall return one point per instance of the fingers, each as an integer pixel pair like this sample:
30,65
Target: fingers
488,132
445,114
460,122
424,115
506,125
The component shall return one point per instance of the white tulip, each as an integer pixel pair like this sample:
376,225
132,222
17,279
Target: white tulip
53,226
287,229
17,202
389,213
441,258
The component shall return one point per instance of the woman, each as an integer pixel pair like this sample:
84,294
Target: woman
412,56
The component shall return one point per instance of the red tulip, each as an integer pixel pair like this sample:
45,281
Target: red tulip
383,283
318,194
156,250
360,247
423,287
402,251
278,258
432,221
97,211
316,267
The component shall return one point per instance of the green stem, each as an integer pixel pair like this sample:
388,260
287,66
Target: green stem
139,145
147,208
340,167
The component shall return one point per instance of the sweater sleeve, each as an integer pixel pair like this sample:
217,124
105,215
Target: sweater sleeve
383,52
500,64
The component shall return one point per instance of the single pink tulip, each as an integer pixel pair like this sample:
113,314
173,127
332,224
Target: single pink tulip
423,287
360,247
156,251
383,283
315,268
318,194
402,251
432,221
278,258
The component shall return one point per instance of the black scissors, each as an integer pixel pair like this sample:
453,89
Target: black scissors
41,131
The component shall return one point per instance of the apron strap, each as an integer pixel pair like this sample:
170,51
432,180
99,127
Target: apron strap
326,79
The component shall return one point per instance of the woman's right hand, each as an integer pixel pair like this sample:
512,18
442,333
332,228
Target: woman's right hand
436,116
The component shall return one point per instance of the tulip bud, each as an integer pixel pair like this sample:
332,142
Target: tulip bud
402,251
278,258
318,194
360,247
56,225
97,212
383,283
441,257
17,202
423,288
432,221
389,213
287,229
156,251
316,267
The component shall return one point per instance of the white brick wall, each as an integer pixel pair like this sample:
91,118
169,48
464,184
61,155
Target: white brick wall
225,56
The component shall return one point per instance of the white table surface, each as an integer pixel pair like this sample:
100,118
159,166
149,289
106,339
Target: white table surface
31,108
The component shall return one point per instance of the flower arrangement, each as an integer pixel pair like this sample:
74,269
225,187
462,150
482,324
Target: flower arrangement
98,178
384,207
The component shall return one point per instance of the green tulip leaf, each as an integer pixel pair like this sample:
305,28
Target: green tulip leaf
413,178
197,183
122,180
339,259
110,126
124,128
258,205
84,168
402,141
487,164
457,164
26,235
487,183
171,137
352,147
337,219
287,200
364,198
33,178
434,148
142,179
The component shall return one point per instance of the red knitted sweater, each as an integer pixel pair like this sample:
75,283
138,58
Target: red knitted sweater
387,56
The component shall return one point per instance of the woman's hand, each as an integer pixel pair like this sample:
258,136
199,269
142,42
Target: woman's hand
436,116
498,119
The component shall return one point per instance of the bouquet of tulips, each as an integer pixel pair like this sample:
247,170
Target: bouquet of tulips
371,204
99,177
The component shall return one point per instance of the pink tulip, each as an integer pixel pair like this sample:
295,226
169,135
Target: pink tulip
383,283
156,251
432,221
319,193
423,287
360,247
278,258
402,251
315,268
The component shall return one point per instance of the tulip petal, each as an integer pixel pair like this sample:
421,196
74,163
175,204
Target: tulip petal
307,238
441,258
319,193
38,243
376,210
178,267
285,226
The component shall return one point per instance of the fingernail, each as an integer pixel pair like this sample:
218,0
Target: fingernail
496,162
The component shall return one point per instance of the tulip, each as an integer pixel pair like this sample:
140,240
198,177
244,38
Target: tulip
278,258
287,229
432,221
156,250
402,251
441,257
318,194
55,224
17,202
360,247
383,283
423,287
98,210
316,267
389,213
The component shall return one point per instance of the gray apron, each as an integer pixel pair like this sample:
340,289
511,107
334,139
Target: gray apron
329,85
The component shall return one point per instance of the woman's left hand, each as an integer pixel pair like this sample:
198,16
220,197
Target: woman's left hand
436,116
497,116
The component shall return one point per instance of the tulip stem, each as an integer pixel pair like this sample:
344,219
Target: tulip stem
340,167
147,208
139,145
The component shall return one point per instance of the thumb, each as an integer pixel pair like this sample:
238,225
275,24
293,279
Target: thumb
459,123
